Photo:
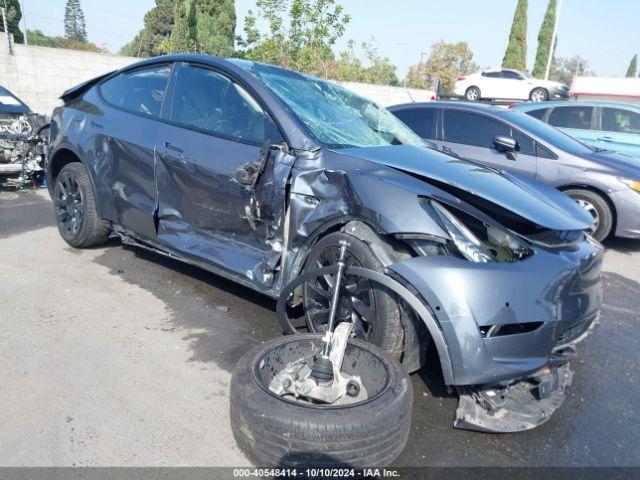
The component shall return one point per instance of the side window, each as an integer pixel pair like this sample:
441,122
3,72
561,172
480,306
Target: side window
571,117
527,146
208,101
140,91
542,152
472,129
511,75
420,120
492,74
537,113
620,121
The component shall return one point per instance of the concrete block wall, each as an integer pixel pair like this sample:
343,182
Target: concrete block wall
39,75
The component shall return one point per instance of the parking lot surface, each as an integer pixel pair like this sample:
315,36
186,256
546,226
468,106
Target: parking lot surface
121,357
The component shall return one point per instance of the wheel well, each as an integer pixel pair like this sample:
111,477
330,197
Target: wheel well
597,191
539,88
59,160
472,86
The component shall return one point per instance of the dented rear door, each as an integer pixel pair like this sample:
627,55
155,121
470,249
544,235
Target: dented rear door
214,168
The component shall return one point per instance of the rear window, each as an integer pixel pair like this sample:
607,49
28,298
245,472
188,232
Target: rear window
571,117
420,120
141,91
472,129
537,113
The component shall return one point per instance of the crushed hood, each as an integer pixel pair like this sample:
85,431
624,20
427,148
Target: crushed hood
537,202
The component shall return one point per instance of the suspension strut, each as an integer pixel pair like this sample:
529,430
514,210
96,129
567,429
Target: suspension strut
323,368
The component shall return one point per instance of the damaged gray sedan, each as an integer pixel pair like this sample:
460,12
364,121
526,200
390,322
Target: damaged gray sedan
259,174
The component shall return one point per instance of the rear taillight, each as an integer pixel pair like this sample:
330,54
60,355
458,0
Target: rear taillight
459,79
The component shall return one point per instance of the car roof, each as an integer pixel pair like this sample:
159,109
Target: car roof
470,106
527,106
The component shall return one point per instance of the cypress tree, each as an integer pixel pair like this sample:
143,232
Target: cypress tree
14,15
516,54
633,66
184,27
155,36
544,40
75,27
215,27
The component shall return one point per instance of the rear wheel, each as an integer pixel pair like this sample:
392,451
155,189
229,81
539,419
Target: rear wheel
472,94
75,206
599,210
375,312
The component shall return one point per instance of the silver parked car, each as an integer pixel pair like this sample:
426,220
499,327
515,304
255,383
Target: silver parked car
605,183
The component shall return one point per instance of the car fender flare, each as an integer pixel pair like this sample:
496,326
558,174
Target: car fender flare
396,287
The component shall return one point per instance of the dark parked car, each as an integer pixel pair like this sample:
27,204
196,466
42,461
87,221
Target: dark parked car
257,173
23,138
605,183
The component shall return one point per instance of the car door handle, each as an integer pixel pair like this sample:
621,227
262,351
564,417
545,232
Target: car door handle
172,147
606,139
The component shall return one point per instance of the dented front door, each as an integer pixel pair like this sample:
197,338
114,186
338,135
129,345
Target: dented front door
214,171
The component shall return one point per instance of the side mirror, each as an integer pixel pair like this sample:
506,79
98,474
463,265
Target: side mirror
505,144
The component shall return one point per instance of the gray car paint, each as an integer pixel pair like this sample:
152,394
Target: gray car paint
596,170
170,202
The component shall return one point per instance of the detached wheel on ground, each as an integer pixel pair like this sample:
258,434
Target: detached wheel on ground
75,205
375,312
599,209
538,95
472,94
275,430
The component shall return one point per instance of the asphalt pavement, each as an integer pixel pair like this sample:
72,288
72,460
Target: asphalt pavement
121,357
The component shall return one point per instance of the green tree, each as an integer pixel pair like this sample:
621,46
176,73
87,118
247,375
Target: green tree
446,62
564,69
14,15
544,40
75,26
215,27
183,36
516,54
349,68
300,33
154,38
633,67
36,37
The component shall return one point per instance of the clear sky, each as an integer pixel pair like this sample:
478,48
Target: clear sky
605,32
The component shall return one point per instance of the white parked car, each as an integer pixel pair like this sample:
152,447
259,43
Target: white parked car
508,85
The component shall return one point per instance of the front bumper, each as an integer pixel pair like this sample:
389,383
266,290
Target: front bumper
560,93
559,290
627,204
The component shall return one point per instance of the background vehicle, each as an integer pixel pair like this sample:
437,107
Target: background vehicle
603,182
23,138
508,84
610,126
259,174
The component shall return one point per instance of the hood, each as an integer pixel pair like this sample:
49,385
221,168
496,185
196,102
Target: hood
535,201
619,164
549,83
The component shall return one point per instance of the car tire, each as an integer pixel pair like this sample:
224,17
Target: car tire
75,206
539,95
598,207
472,94
274,431
387,330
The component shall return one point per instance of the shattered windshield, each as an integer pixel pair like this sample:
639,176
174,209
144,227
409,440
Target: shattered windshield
336,117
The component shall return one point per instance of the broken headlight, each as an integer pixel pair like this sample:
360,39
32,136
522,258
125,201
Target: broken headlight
473,239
